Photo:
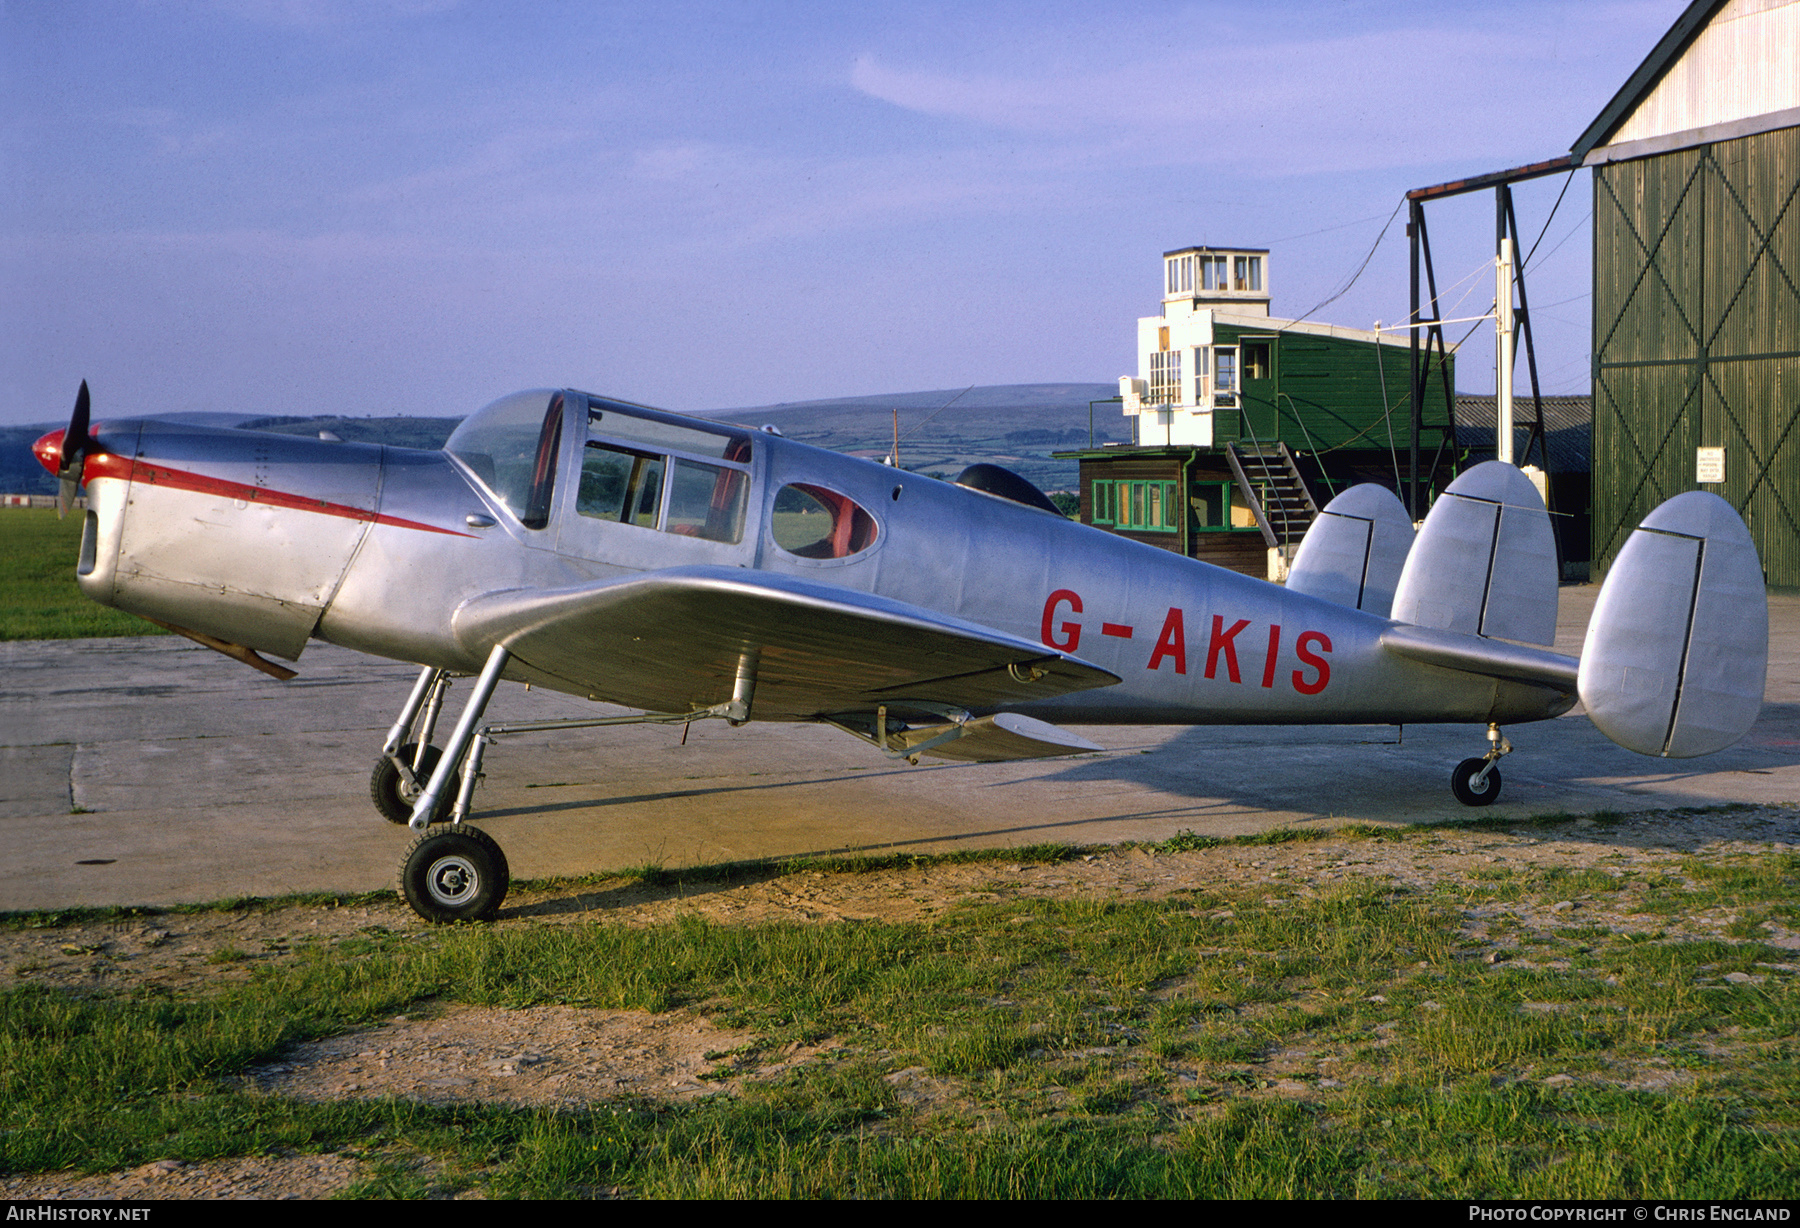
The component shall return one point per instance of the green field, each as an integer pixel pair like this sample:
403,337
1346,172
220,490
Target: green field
1090,1048
38,596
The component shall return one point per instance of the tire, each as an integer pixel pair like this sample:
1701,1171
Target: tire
455,874
387,789
1462,783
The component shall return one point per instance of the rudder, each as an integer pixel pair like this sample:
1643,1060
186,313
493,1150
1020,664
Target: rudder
1355,551
1678,647
1485,561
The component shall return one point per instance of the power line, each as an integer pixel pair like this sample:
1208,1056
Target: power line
1385,226
1328,229
1547,221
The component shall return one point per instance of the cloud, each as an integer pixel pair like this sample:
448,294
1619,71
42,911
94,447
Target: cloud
328,14
1026,104
1252,98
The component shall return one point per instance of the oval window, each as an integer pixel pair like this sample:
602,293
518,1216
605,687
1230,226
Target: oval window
816,523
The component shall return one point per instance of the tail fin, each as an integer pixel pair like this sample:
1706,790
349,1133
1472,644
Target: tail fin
1678,647
1354,552
1485,562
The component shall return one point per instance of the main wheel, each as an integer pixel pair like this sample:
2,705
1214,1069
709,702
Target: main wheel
1462,783
394,799
455,874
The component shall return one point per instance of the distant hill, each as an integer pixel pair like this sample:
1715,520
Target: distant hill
941,430
20,473
946,429
427,433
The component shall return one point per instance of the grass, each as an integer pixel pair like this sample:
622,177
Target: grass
37,576
1242,1042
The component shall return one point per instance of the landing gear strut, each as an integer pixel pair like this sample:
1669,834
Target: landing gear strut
403,769
1476,782
457,872
398,779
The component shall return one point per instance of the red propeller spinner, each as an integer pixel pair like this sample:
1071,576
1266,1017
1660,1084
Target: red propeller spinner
64,452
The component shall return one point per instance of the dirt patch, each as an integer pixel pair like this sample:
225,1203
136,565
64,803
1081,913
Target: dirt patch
298,1176
540,1057
186,951
564,1056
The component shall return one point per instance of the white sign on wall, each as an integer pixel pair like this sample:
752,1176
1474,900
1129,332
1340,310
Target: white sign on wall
1709,464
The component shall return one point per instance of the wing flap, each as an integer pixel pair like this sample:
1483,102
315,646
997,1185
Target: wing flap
1000,738
673,641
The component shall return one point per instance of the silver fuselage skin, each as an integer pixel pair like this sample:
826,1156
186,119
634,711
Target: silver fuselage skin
269,540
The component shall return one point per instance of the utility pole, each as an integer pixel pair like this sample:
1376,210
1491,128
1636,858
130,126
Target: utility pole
1503,352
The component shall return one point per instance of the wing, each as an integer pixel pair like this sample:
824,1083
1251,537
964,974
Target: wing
671,641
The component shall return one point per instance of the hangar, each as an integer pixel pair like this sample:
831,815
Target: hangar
1696,307
1695,360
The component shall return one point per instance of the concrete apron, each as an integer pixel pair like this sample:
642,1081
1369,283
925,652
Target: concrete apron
153,771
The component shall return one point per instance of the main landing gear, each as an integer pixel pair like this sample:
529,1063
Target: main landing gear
1476,782
402,772
398,779
455,872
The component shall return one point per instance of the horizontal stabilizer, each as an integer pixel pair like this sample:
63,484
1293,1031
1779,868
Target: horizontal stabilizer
996,739
1485,562
1355,551
1678,647
1489,658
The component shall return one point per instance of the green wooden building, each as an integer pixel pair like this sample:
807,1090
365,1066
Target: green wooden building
1245,424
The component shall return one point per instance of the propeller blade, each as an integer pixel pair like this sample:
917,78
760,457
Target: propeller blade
78,422
75,443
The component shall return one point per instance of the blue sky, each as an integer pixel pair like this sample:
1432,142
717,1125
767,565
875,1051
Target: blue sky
318,206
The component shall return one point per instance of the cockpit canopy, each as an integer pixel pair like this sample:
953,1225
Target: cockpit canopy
511,445
638,466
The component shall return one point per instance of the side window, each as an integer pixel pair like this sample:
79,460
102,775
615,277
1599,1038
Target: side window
815,523
622,485
1211,502
1225,379
1218,505
626,483
1146,507
707,501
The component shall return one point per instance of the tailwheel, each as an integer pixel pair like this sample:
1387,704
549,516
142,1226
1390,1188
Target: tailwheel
455,874
1468,791
394,796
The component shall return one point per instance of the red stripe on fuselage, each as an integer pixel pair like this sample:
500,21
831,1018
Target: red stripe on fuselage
152,473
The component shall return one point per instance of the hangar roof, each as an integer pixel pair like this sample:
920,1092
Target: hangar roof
1723,70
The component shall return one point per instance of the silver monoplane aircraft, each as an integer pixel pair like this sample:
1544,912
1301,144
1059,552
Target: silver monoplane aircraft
692,569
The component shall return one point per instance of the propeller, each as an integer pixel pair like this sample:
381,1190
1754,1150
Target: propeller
75,445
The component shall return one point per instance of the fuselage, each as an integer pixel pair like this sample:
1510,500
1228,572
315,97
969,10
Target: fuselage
268,540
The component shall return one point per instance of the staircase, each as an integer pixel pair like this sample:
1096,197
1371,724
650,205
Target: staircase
1273,489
